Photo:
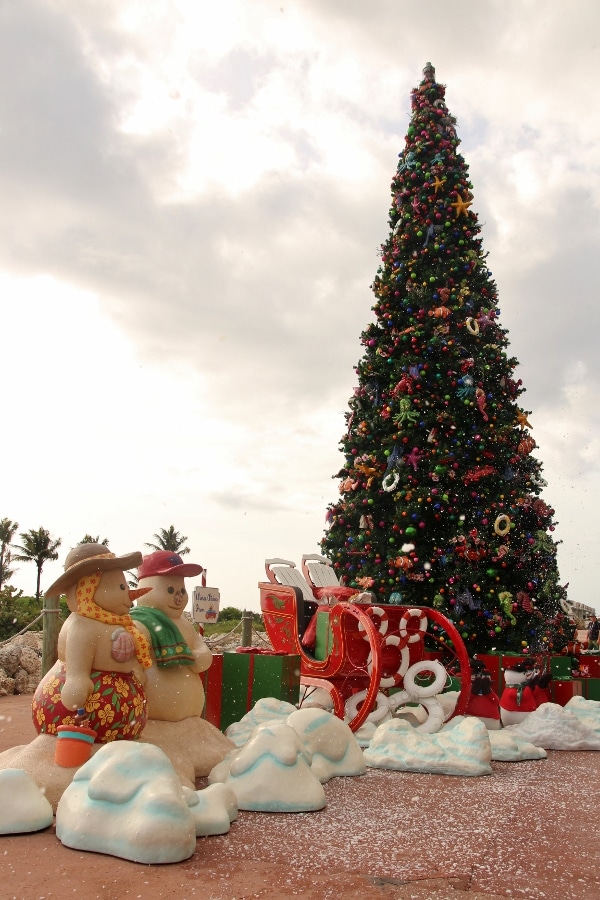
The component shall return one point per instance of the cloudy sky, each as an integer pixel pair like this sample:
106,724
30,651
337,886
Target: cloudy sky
193,194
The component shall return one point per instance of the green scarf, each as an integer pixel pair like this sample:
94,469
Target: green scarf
168,644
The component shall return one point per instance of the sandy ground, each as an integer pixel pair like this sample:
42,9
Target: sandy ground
528,831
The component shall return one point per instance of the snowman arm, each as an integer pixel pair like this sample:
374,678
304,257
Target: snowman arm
79,657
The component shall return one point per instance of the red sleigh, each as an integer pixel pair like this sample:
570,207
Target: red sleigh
363,648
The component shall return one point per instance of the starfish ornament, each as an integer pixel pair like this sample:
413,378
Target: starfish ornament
461,205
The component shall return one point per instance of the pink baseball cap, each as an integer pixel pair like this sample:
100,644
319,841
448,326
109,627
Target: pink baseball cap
165,562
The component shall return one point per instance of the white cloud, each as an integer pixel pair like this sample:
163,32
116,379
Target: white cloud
200,189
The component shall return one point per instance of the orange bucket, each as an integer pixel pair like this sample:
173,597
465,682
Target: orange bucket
73,745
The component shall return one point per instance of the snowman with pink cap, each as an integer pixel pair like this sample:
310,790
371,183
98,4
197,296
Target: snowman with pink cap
173,689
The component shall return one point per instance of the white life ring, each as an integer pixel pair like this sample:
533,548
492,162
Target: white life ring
472,326
405,619
502,525
383,621
380,711
418,691
395,679
390,481
435,716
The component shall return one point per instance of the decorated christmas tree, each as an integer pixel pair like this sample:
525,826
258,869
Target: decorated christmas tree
440,489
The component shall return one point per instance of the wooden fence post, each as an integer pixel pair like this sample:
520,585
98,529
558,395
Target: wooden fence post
246,629
51,629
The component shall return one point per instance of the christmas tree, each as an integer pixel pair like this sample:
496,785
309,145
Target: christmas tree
440,489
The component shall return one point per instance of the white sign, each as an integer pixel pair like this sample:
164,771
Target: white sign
205,606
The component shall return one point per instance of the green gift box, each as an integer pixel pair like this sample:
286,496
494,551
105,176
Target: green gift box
561,666
592,688
250,676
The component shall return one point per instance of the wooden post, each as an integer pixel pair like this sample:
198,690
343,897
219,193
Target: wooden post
246,629
51,630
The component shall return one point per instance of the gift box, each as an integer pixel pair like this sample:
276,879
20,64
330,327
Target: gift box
564,689
592,688
588,664
212,679
561,666
235,681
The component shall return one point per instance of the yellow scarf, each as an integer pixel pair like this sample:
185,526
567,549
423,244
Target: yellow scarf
87,606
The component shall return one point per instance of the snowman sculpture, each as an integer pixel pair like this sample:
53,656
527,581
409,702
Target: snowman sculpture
173,689
103,655
517,699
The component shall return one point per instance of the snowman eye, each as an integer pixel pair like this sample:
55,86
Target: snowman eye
183,590
122,586
170,589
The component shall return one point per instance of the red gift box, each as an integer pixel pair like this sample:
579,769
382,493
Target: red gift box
589,665
212,679
563,690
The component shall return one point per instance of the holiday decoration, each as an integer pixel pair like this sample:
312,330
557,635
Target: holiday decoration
483,702
173,689
438,449
103,657
517,699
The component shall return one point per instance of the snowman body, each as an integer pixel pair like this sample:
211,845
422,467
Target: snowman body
517,699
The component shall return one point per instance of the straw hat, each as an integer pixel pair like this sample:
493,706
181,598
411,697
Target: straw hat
87,558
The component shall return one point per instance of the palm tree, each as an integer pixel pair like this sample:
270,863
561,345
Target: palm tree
6,573
169,539
38,547
88,539
7,532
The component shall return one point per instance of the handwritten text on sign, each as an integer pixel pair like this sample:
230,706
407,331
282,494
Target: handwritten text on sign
205,606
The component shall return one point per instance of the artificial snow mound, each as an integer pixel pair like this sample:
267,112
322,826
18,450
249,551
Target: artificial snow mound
511,747
267,709
554,727
127,801
23,806
213,809
333,748
461,750
587,711
271,773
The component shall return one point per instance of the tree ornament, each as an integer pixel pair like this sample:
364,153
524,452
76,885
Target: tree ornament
390,481
481,404
502,525
461,205
522,419
414,457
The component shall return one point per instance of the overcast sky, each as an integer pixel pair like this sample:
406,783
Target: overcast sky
193,195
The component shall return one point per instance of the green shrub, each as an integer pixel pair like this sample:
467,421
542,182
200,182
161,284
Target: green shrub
17,611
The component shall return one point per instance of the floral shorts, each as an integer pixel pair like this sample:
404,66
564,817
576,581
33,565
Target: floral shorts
116,707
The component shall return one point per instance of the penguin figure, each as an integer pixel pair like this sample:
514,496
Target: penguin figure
483,702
